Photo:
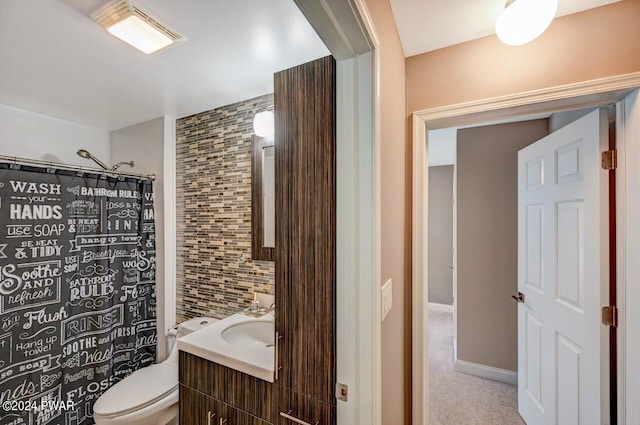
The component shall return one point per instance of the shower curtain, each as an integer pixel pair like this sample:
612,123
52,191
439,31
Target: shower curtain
77,290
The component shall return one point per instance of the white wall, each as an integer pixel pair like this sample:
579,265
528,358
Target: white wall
442,146
144,144
30,135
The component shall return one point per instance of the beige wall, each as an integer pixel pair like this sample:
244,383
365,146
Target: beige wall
441,234
559,119
396,254
487,195
596,43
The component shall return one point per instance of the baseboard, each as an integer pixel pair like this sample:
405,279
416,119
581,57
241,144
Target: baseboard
441,307
488,372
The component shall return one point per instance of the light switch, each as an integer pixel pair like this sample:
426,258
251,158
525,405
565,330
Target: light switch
387,298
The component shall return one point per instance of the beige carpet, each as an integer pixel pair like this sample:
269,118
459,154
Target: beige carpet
459,399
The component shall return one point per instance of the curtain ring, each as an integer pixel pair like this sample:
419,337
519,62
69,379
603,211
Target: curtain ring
15,165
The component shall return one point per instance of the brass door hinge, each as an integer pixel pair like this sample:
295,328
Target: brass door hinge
610,316
610,160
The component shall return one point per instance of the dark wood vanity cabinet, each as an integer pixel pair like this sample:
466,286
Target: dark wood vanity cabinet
208,388
197,408
305,251
301,407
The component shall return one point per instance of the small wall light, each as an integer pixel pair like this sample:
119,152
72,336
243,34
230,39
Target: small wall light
523,21
136,27
263,124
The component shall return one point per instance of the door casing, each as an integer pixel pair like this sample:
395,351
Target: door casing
572,96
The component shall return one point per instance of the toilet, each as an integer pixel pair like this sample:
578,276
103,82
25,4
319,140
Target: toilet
149,396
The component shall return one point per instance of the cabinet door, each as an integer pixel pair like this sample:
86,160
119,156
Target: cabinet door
235,388
195,408
199,409
306,227
292,407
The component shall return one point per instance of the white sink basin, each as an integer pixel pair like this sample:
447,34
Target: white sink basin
239,342
254,333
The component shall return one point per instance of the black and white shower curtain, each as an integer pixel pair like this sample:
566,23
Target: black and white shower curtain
77,290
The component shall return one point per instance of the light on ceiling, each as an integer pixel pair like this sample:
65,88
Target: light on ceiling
523,21
263,124
135,26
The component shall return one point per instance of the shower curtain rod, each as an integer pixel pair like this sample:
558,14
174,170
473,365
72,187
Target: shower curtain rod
28,161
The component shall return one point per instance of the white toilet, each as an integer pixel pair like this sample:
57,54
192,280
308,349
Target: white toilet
149,396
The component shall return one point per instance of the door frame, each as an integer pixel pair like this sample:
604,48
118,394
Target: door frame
571,96
628,199
347,30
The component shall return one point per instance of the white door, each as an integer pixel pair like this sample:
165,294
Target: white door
563,274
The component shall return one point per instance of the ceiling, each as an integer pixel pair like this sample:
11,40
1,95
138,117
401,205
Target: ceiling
56,61
426,25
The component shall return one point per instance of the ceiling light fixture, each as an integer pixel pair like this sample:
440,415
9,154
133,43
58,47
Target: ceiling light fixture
134,26
263,124
523,21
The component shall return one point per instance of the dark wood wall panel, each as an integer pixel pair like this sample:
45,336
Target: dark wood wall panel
238,389
304,98
302,407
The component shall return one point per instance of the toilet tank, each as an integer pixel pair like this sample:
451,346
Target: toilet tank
185,328
192,325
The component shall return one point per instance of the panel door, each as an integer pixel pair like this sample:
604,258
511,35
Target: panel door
563,274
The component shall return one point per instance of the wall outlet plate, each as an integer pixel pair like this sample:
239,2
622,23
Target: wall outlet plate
387,298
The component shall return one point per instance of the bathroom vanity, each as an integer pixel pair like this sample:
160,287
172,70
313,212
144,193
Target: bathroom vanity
212,394
227,371
227,377
242,379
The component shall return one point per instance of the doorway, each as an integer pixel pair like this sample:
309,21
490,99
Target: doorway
490,110
474,369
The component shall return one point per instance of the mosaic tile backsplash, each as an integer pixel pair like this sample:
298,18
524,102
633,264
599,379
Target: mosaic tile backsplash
215,273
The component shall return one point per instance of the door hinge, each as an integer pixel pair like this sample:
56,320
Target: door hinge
610,316
342,391
610,160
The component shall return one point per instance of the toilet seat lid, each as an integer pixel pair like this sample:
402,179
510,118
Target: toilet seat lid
140,389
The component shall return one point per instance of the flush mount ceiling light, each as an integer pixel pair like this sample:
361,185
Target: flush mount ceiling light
134,26
523,21
263,124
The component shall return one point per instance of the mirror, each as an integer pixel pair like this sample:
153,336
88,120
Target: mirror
269,196
262,199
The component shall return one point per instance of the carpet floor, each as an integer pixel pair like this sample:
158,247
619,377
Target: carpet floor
459,399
